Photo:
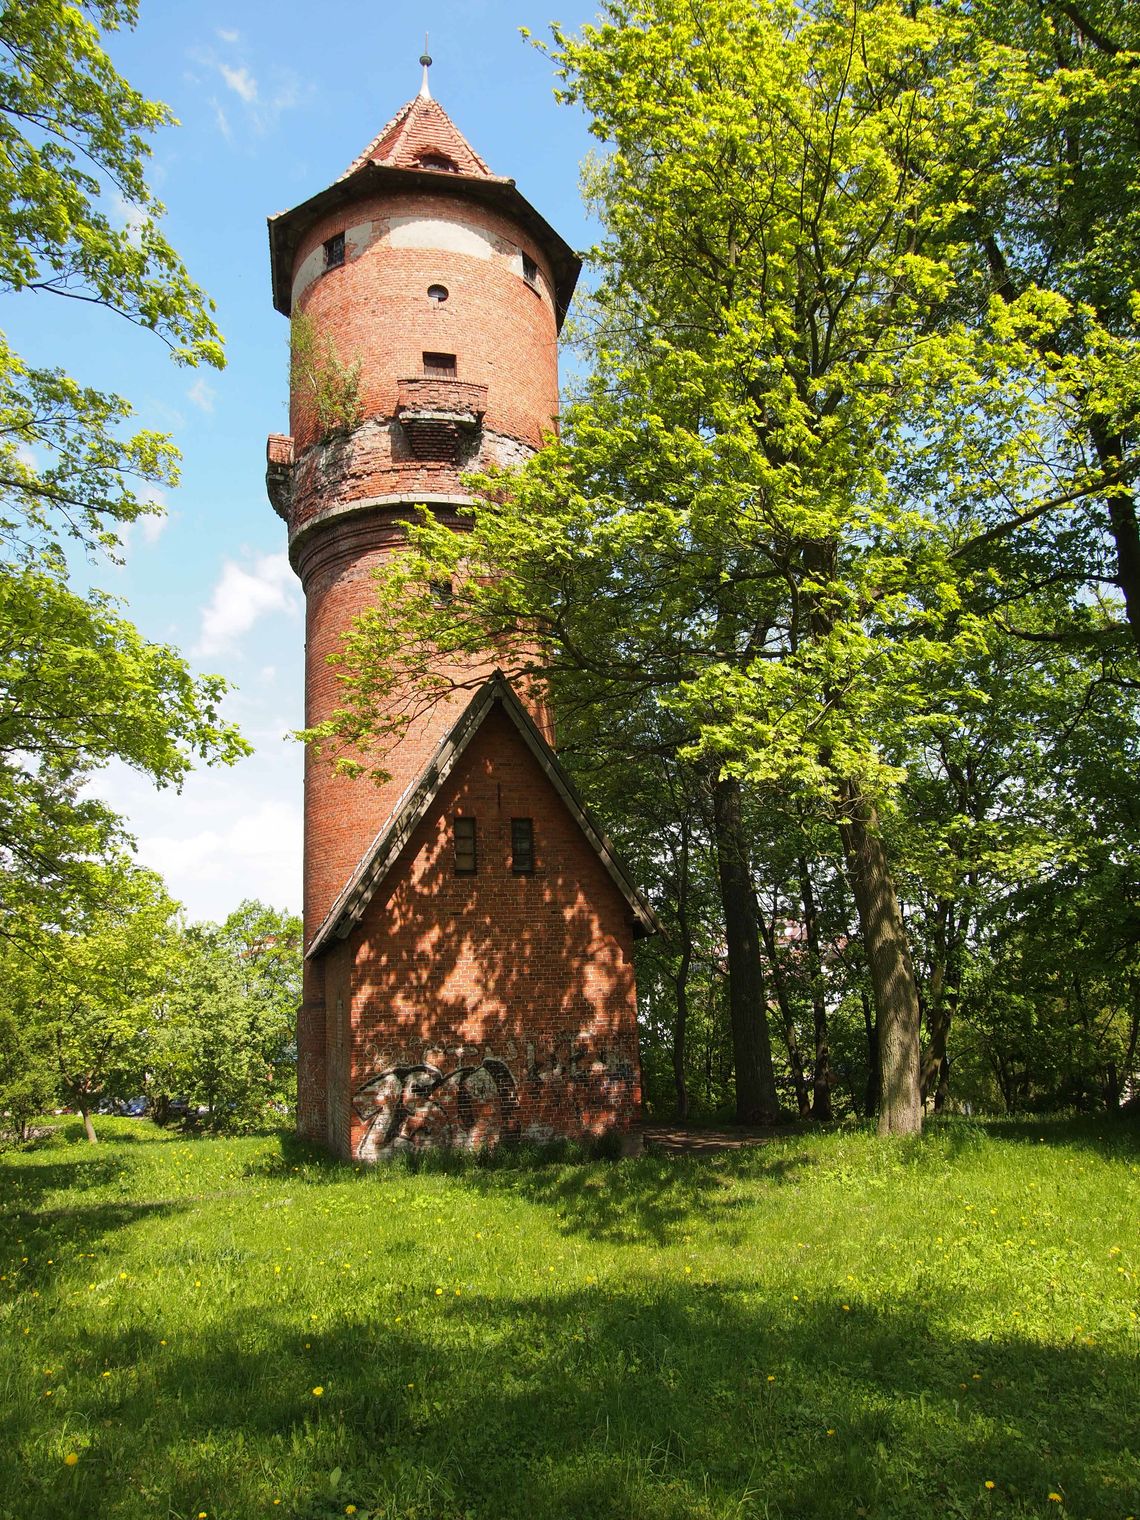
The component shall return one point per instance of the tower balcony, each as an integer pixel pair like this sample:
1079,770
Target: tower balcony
439,414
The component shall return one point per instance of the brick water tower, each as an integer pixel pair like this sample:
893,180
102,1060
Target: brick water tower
468,927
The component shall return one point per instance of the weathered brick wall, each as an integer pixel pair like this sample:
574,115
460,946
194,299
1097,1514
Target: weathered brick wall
375,309
492,1004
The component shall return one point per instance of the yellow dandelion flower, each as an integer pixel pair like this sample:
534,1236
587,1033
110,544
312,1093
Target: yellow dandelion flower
72,1458
350,1509
318,1391
438,1292
989,1483
771,1377
831,1432
1056,1499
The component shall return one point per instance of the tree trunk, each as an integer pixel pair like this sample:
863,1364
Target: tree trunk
783,1002
946,990
681,980
756,1101
88,1126
821,1080
680,1028
888,964
871,1024
1123,525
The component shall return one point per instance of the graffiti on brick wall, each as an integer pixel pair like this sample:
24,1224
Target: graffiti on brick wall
409,1106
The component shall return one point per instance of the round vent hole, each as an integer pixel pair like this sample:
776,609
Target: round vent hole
437,292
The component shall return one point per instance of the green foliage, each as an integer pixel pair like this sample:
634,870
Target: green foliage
28,1069
317,375
72,129
92,984
81,687
78,685
814,1327
222,1038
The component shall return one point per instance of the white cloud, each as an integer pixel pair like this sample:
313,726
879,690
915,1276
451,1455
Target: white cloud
202,394
241,81
255,854
243,596
132,217
262,102
285,97
229,834
153,526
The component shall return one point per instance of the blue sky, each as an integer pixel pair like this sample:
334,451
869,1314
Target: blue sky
274,102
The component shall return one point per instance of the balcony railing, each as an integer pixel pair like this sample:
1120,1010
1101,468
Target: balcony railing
439,414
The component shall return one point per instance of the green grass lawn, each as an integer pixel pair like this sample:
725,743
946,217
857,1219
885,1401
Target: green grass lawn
825,1326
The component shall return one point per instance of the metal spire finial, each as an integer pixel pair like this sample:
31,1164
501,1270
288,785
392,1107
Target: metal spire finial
425,59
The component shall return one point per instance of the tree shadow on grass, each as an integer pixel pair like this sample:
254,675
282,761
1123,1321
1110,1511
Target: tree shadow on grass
653,1199
34,1182
650,1403
649,1199
1112,1136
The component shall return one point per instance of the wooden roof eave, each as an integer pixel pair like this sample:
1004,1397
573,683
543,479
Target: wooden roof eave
287,228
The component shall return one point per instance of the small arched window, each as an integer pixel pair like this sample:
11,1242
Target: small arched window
438,161
437,293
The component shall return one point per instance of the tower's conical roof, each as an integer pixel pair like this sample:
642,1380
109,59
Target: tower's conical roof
420,149
422,135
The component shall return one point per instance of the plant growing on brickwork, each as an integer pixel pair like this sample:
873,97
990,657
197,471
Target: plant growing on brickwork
78,685
317,374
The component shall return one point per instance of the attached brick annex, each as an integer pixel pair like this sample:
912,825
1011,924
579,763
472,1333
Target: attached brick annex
468,928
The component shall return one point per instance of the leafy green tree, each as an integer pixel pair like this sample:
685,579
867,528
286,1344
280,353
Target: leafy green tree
1058,212
97,982
222,1037
723,526
28,1069
78,685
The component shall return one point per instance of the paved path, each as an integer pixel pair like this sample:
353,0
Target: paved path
677,1140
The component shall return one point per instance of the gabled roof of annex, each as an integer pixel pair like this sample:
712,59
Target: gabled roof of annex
382,854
